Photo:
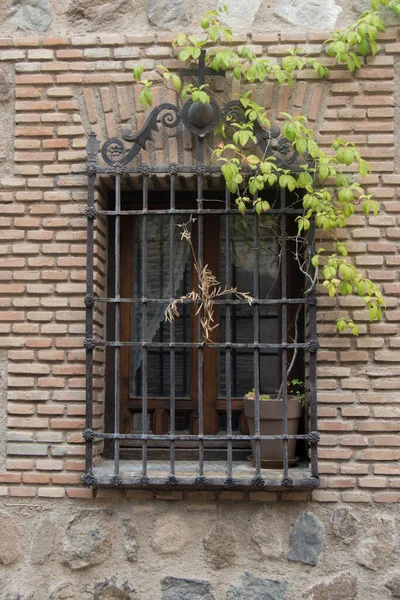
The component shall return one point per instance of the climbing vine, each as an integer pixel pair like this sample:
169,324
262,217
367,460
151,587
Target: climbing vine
329,194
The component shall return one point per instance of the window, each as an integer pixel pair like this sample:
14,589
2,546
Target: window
175,401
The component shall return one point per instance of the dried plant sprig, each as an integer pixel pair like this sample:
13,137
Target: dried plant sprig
208,290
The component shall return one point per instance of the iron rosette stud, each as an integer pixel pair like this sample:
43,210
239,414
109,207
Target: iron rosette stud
172,480
88,479
258,481
89,300
287,482
313,438
88,435
116,480
230,483
201,481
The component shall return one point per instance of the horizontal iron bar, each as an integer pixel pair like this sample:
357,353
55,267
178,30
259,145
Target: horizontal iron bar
181,169
211,482
156,170
198,345
261,301
195,438
195,211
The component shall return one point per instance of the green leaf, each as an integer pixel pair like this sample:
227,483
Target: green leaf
289,131
196,52
315,261
146,97
176,82
363,168
237,73
180,40
363,47
185,54
205,23
323,172
137,72
204,97
213,33
301,145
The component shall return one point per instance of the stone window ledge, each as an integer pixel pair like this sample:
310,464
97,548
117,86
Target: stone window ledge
186,475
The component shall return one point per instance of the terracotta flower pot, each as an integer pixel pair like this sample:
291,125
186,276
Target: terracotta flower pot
271,424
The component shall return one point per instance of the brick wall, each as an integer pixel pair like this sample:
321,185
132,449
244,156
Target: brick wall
65,87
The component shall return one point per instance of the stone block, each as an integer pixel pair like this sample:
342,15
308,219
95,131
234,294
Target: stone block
112,589
31,15
306,539
270,536
174,588
5,87
342,586
344,524
43,541
168,14
309,14
9,540
220,546
171,535
237,18
393,585
375,552
97,14
130,540
87,540
256,588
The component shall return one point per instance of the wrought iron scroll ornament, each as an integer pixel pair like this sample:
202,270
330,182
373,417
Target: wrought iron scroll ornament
199,119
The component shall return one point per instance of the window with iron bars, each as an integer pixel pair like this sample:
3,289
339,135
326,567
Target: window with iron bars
175,408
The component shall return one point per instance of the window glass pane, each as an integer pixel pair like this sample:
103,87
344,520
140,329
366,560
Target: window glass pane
242,322
158,297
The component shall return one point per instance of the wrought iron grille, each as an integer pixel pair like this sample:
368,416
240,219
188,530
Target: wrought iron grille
117,161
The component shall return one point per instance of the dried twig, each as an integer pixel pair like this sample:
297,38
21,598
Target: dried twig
208,290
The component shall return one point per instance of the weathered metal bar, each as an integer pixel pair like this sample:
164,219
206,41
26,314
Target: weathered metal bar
197,211
89,320
228,332
117,321
313,348
258,345
260,301
200,351
256,337
195,438
284,332
172,324
209,483
144,324
165,169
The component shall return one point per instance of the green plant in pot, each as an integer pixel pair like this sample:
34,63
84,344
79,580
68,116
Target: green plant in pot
271,420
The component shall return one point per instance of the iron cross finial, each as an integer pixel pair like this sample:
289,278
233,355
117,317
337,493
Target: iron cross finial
202,71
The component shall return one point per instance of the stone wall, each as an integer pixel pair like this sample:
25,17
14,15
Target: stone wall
124,546
57,540
73,16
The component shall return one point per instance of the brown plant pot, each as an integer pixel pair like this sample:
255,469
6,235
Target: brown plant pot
271,424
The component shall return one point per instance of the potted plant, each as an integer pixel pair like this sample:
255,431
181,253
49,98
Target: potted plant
271,420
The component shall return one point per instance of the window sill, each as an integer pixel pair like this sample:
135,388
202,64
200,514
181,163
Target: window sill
186,476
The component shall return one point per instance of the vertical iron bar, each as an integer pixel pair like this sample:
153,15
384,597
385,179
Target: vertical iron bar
144,325
228,332
172,354
117,321
256,322
284,331
89,324
200,355
313,363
